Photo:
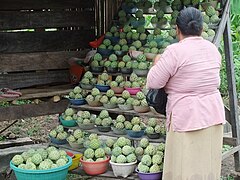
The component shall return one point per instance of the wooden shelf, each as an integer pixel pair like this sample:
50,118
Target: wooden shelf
118,111
111,134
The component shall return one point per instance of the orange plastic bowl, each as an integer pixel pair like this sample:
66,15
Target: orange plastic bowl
95,168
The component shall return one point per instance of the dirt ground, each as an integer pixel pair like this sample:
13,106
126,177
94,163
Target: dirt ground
38,129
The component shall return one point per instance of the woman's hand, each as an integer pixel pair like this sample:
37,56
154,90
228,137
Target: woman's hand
156,59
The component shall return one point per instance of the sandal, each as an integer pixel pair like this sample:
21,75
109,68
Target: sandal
9,93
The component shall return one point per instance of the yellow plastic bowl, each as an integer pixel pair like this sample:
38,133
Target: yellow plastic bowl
75,161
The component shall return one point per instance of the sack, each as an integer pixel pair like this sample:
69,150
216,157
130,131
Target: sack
157,98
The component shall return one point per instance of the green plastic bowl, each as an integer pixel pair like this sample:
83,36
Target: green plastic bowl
68,123
59,173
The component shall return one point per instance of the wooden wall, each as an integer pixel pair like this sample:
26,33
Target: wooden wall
29,58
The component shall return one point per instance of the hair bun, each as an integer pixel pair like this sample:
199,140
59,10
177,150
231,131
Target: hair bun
193,25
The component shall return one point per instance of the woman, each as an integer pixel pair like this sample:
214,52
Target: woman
189,72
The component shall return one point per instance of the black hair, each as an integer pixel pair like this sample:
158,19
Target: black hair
190,22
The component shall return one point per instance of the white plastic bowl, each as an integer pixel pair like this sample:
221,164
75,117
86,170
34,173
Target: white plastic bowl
123,169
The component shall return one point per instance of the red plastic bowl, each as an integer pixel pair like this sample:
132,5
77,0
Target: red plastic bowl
95,168
70,154
133,91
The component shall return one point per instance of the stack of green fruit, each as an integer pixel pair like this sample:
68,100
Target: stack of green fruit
174,16
120,124
95,96
94,151
106,44
122,17
136,125
118,85
69,114
109,99
111,62
154,129
77,93
140,100
144,5
152,159
104,120
97,60
139,151
41,159
159,20
76,139
113,36
123,151
125,100
88,79
121,46
140,67
103,79
108,146
58,133
85,118
133,83
125,64
160,6
138,20
210,18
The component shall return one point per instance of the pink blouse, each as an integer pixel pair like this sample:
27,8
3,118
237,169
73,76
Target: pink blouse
189,71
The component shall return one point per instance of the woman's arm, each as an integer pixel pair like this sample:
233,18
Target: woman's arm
165,66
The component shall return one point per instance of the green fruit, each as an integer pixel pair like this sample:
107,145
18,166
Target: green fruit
119,79
154,20
210,11
54,155
119,125
120,118
149,130
69,112
139,14
106,122
122,35
109,34
113,158
152,122
121,13
141,57
113,100
104,99
139,151
136,102
107,150
61,162
110,142
121,64
146,160
131,158
93,136
206,19
113,57
126,150
53,133
154,168
22,166
104,77
128,125
110,93
144,143
126,58
117,47
37,159
89,153
95,144
214,19
150,150
121,141
31,166
97,57
99,153
136,128
126,94
157,159
121,159
120,100
78,134
161,147
104,114
116,151
143,168
113,84
17,160
113,29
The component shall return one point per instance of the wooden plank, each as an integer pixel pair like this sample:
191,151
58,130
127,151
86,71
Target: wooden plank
218,37
46,19
16,142
233,100
45,4
32,110
44,41
42,93
229,141
38,61
230,152
28,79
119,111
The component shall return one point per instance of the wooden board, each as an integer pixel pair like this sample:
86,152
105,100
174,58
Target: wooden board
118,111
45,4
44,41
37,61
46,19
32,110
15,142
37,93
28,79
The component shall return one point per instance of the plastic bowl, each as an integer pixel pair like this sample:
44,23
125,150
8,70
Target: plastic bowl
126,70
114,40
104,129
123,169
110,106
136,24
59,173
125,107
95,168
94,103
154,136
98,69
77,101
102,88
86,86
141,109
141,72
112,70
75,161
86,126
121,53
68,123
119,131
105,52
117,90
57,141
149,176
135,134
70,154
133,91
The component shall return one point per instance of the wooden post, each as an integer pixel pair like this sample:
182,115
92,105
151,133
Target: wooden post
232,90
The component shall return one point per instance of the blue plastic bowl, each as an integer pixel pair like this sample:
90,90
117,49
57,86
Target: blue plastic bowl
59,173
136,24
149,176
102,88
105,52
135,134
77,101
68,123
57,141
114,40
